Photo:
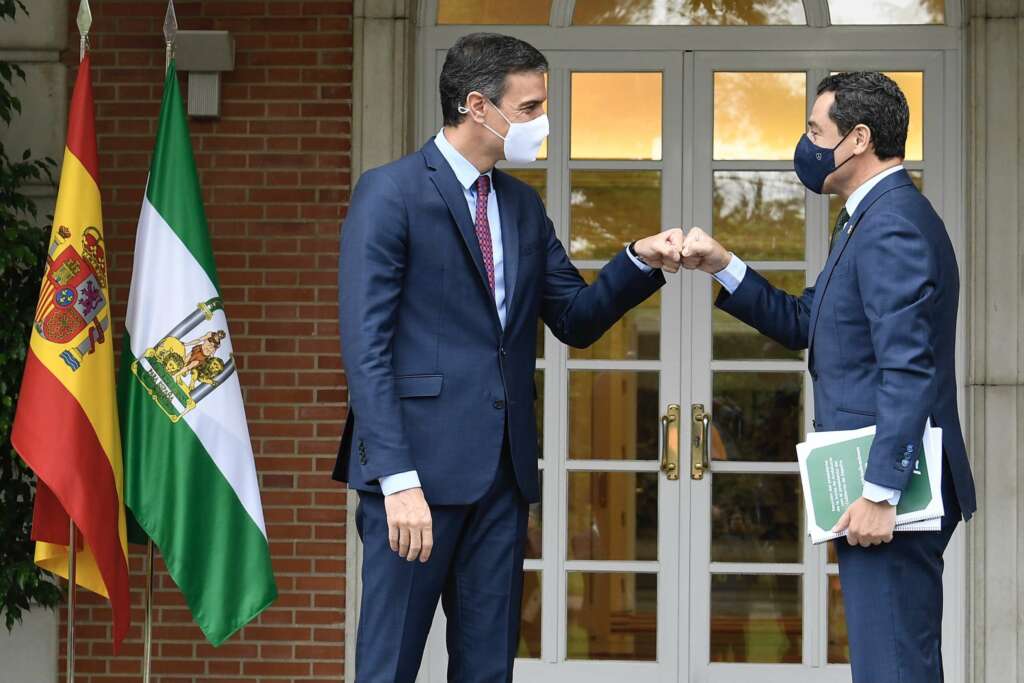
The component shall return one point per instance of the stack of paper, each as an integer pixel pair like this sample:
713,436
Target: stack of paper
832,466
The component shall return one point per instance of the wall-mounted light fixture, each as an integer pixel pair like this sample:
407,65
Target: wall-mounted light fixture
204,55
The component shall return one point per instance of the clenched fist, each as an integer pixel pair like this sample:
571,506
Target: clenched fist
701,251
661,250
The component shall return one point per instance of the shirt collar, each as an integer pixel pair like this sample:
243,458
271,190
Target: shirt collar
861,192
465,171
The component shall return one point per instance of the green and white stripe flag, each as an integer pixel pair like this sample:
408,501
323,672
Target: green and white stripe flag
190,478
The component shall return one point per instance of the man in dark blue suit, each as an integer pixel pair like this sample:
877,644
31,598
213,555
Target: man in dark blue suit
880,326
447,264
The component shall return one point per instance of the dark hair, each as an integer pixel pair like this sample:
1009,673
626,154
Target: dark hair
481,62
873,99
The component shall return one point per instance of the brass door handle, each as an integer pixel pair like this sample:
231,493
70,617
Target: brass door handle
700,448
670,442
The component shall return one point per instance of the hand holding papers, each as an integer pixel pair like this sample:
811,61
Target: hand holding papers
832,466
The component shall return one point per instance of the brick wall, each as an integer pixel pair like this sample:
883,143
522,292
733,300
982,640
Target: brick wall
275,175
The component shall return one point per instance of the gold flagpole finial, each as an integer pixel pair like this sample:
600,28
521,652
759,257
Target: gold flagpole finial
84,22
170,32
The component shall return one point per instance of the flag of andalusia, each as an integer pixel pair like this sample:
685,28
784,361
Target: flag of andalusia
190,479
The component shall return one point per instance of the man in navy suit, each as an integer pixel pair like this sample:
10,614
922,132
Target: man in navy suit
447,264
880,326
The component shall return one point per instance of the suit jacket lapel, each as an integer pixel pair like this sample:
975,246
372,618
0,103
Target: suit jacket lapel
509,214
454,197
898,179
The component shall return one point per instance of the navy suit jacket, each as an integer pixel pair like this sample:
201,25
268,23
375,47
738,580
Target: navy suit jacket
433,378
880,323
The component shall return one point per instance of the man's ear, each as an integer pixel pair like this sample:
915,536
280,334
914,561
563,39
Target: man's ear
863,141
477,106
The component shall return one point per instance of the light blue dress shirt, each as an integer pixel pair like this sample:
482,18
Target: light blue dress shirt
732,275
467,175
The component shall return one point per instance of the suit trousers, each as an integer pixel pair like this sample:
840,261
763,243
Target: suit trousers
892,595
475,570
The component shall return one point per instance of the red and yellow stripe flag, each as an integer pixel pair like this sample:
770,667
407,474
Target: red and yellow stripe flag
66,425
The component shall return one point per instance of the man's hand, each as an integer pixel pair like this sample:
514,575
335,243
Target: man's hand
702,251
867,523
661,250
410,528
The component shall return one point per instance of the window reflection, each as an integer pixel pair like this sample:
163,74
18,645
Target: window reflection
613,415
756,518
537,178
493,12
613,516
760,213
689,12
838,642
612,615
758,115
912,85
758,416
874,12
616,115
535,525
610,209
756,619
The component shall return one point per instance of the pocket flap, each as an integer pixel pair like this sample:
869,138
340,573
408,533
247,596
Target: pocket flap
412,386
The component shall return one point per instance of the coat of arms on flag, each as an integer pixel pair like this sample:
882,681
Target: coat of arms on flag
183,367
71,300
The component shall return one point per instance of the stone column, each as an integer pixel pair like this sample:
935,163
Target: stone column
995,115
382,82
34,42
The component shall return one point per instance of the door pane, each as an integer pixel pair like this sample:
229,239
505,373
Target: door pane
530,619
637,335
493,12
912,85
612,615
757,416
735,340
756,619
613,415
610,209
613,516
535,525
874,12
689,13
758,115
838,643
537,178
616,115
760,212
756,518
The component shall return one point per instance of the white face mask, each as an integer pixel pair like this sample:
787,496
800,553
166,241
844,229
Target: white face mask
523,140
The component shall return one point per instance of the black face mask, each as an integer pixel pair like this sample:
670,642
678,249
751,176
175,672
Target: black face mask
814,164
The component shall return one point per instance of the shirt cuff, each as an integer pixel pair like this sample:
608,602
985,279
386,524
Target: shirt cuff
396,483
636,261
732,275
881,494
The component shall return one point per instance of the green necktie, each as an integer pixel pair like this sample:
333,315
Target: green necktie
841,220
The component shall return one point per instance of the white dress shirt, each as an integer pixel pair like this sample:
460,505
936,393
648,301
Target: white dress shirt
467,175
732,275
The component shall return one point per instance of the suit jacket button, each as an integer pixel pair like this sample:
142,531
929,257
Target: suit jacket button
499,405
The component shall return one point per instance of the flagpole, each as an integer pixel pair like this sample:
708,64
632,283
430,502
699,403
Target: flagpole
72,561
84,22
147,652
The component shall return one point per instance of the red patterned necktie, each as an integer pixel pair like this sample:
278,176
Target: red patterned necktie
483,227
